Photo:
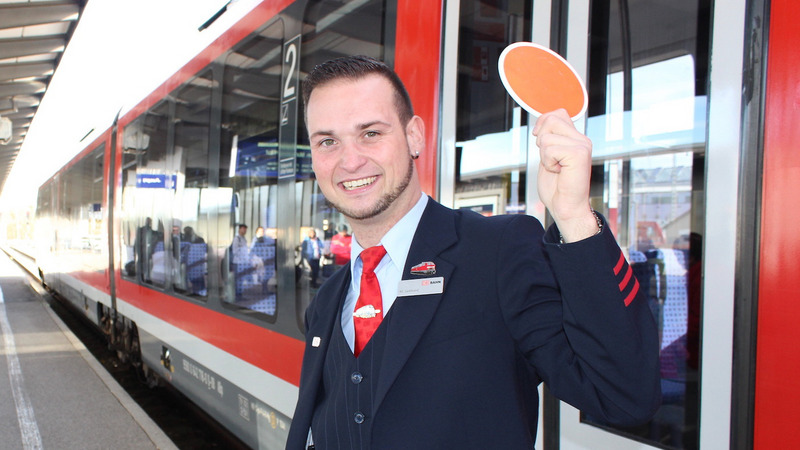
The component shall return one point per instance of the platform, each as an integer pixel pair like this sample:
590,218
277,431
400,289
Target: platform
53,393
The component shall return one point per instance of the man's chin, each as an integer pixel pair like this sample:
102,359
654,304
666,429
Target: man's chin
360,210
361,213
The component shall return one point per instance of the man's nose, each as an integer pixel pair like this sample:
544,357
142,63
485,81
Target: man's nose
351,156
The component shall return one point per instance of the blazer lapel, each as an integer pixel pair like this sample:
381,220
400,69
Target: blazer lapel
410,316
323,320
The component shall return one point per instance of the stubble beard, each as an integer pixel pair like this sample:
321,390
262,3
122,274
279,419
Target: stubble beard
383,203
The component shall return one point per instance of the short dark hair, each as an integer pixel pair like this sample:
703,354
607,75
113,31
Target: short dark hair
354,68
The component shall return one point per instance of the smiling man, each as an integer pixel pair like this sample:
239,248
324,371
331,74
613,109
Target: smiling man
450,356
363,152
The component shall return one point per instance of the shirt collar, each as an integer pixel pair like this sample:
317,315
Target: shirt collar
397,241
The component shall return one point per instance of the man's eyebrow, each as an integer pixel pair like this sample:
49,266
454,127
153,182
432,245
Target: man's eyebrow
364,126
321,133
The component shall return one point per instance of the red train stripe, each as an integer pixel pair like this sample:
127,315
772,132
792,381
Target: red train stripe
271,351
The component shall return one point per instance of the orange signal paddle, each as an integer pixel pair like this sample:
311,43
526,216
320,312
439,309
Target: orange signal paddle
540,80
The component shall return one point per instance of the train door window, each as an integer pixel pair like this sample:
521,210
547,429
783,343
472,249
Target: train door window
491,135
188,249
81,218
128,218
97,247
249,172
44,231
147,193
321,237
647,120
64,243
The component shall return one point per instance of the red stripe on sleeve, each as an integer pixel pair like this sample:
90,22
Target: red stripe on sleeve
632,295
624,283
620,263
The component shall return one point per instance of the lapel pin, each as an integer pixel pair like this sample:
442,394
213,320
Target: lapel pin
424,268
366,312
316,341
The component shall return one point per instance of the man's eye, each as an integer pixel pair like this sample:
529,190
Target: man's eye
371,134
327,143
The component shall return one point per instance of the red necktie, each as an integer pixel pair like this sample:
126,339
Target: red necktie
367,315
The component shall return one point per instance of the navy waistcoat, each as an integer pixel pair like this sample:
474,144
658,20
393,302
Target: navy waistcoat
344,413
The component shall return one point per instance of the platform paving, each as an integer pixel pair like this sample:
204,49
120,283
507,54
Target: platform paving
53,393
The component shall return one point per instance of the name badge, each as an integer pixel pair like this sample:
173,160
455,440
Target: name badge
425,286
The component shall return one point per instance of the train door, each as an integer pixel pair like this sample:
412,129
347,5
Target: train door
485,165
665,134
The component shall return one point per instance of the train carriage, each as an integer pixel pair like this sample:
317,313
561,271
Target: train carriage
180,231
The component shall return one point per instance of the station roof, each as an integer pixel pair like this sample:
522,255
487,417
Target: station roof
33,36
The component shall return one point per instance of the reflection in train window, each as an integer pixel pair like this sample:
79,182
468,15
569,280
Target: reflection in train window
248,174
647,120
79,225
189,165
45,232
491,136
165,176
146,195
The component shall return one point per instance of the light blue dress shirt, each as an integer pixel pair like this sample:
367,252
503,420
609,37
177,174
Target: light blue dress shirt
397,242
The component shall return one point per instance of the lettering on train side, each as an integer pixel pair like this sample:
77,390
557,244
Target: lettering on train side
209,380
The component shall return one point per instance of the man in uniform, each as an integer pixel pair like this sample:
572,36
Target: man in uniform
439,330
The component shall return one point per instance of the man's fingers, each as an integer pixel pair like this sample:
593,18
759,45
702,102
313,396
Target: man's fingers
562,151
547,140
557,121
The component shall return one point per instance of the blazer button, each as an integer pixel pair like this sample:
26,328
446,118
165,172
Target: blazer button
358,418
356,377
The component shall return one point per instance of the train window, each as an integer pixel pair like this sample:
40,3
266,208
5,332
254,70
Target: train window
249,172
80,225
45,236
97,246
189,166
127,214
491,136
647,120
322,238
147,195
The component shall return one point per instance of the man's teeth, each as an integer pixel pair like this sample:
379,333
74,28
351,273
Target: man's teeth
355,184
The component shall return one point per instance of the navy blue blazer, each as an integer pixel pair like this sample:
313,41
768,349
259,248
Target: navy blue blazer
460,368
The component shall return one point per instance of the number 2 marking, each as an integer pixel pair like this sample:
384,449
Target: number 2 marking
291,58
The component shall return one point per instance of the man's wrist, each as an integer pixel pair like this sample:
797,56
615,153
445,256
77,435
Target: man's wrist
585,230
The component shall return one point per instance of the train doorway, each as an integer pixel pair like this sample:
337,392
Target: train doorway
658,155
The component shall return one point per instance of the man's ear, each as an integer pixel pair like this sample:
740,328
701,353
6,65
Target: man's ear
415,135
